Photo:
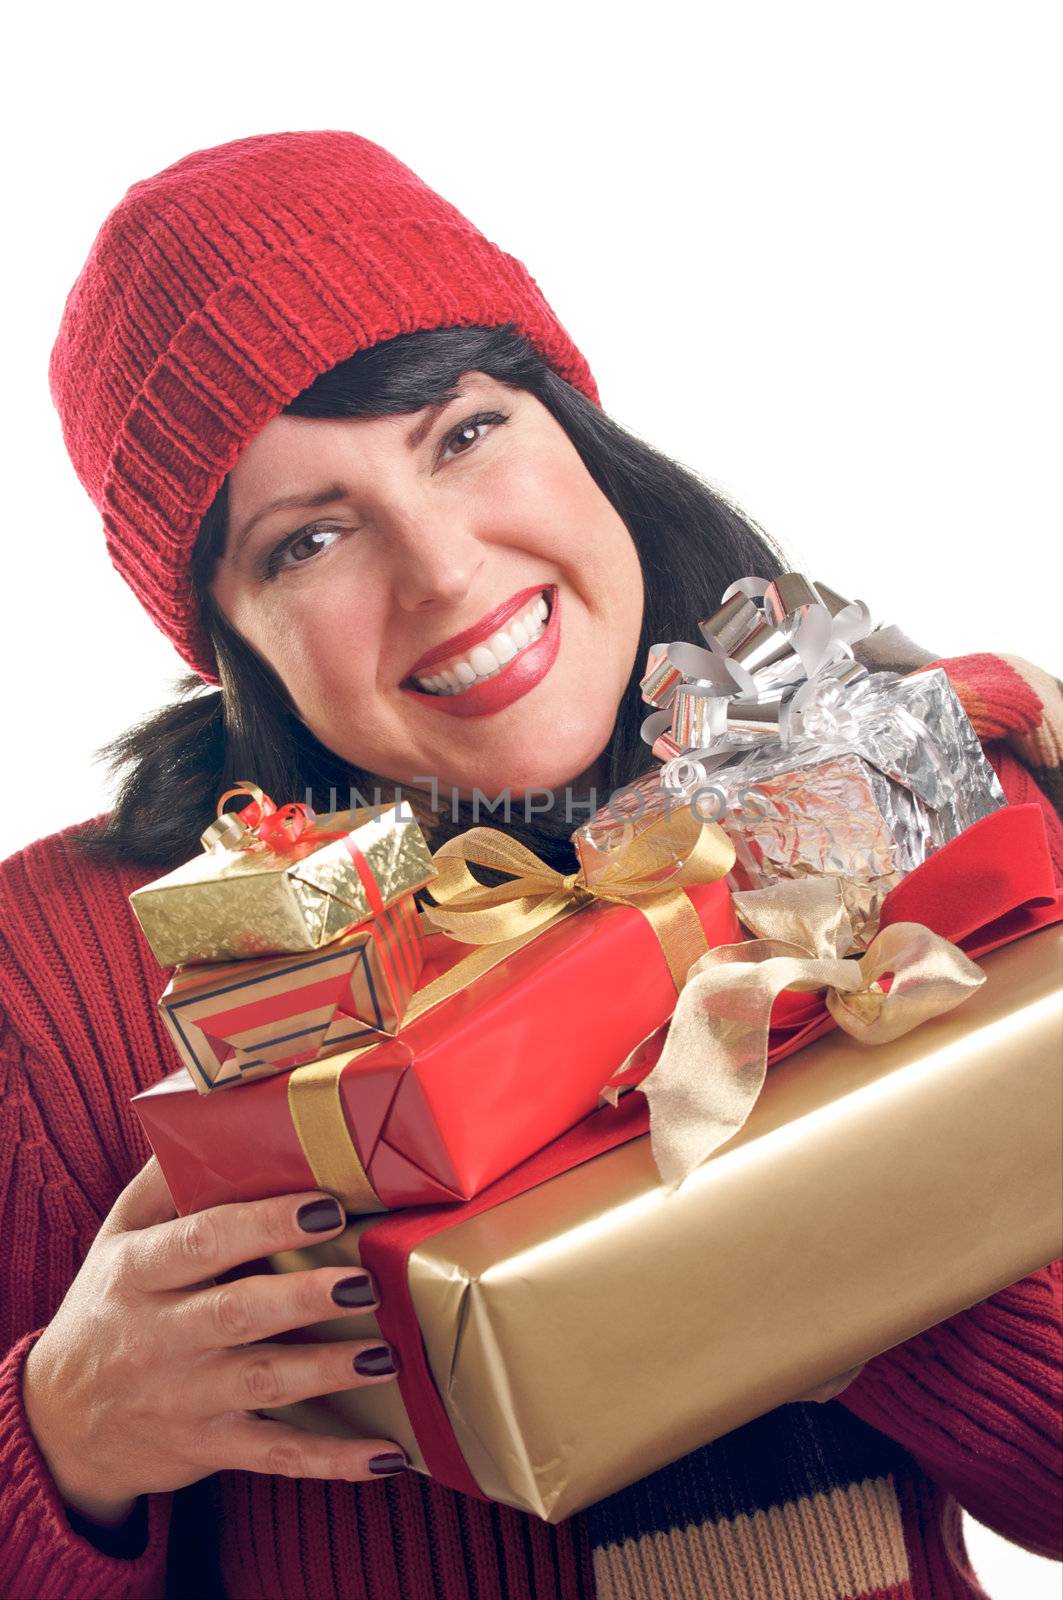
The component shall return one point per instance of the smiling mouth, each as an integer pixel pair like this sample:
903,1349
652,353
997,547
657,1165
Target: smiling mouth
486,660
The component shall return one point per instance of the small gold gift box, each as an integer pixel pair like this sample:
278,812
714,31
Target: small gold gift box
243,899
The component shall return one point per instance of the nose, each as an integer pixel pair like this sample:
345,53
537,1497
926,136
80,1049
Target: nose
435,558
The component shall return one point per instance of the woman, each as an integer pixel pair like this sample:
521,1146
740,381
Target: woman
342,448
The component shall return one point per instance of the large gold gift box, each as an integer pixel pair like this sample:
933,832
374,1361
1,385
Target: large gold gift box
596,1327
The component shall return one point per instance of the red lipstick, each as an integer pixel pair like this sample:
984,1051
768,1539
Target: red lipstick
516,678
461,643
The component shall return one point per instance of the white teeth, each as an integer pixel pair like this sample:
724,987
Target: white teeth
484,660
502,647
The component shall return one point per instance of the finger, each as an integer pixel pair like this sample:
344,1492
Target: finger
833,1386
145,1201
253,1444
843,1379
814,1396
205,1244
263,1305
267,1375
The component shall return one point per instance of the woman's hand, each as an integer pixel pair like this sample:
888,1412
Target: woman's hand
149,1375
833,1386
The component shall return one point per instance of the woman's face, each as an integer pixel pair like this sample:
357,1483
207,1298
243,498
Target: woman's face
397,591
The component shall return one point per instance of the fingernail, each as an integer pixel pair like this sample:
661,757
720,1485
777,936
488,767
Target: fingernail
389,1463
375,1362
318,1216
357,1291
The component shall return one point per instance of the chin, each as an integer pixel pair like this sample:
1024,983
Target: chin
555,776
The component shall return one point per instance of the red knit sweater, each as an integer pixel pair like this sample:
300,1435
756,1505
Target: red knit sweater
975,1402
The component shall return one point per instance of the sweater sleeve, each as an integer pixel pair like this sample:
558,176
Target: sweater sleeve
41,1555
46,1229
978,1401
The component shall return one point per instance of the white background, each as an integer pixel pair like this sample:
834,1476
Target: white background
809,251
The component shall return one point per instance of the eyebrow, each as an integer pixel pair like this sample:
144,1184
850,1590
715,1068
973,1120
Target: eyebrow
312,499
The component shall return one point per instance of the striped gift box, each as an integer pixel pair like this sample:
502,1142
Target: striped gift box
235,1021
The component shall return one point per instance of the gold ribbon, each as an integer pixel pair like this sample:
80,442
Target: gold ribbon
321,1127
714,1061
685,850
316,1106
501,920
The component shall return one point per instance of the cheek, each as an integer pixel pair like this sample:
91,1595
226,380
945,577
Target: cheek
569,518
546,496
622,598
316,639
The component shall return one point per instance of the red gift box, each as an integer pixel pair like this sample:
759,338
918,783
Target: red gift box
463,1093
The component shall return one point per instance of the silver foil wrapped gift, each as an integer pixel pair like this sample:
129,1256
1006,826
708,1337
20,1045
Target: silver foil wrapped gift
810,762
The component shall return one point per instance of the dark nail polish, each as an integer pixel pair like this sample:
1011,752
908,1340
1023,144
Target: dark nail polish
318,1216
357,1291
389,1463
374,1363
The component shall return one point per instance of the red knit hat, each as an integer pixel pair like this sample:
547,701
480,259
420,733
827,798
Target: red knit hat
219,289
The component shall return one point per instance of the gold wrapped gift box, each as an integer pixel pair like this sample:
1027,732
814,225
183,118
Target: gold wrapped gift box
594,1328
231,903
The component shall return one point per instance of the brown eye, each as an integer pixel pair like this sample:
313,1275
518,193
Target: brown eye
303,543
470,429
300,547
466,432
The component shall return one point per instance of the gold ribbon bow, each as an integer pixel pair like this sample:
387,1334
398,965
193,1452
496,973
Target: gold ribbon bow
714,1061
649,872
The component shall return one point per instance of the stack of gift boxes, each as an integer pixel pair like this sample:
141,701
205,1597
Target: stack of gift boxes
523,1095
290,940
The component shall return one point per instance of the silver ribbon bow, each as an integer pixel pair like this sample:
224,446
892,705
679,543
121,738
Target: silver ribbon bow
779,665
